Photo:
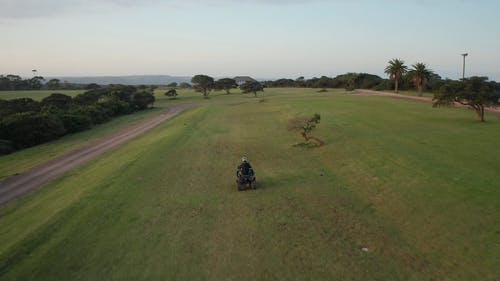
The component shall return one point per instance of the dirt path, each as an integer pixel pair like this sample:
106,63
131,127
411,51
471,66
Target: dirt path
35,178
421,99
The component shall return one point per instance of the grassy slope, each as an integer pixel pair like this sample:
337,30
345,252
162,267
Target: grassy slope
403,179
23,160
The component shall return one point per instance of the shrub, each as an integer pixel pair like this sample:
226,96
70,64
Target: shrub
6,147
142,100
28,129
172,93
115,107
380,87
75,123
60,101
9,107
96,113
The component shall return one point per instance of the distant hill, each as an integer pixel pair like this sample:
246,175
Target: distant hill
126,80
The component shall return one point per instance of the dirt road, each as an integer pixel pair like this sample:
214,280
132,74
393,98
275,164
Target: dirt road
35,178
422,99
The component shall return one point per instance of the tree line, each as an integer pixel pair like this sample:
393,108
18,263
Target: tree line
475,92
25,122
205,84
11,82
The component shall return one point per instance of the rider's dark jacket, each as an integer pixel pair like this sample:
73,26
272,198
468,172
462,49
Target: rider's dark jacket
244,169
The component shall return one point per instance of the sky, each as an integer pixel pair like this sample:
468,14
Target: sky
263,39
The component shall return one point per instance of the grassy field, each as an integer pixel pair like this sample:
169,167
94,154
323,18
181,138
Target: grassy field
26,159
414,186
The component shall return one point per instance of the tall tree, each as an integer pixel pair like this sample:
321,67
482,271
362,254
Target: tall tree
225,84
36,82
420,76
203,84
474,92
53,84
396,69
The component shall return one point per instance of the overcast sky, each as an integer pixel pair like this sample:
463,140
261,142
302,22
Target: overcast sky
264,39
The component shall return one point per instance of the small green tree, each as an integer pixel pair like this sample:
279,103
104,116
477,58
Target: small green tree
305,125
474,92
252,87
396,70
203,84
225,84
309,126
172,85
172,93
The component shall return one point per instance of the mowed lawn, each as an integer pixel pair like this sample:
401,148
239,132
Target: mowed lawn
401,191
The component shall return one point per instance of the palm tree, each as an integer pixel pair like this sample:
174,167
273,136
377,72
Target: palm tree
420,75
396,69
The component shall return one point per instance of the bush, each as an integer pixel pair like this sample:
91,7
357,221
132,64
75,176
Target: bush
142,100
171,93
96,113
13,106
349,88
75,123
115,107
28,129
89,97
60,101
6,147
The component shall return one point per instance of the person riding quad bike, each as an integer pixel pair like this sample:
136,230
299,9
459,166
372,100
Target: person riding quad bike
245,175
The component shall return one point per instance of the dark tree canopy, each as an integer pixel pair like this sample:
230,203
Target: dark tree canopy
59,101
475,92
25,122
203,84
53,84
143,100
8,107
252,87
92,86
30,128
172,85
225,84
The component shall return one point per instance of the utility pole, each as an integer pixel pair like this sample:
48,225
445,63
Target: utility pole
34,72
463,72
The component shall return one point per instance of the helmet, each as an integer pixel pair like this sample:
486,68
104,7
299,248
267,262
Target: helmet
244,159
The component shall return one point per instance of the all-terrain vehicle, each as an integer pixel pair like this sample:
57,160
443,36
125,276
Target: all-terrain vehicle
245,176
246,182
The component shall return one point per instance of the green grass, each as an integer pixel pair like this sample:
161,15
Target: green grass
26,159
35,94
405,180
